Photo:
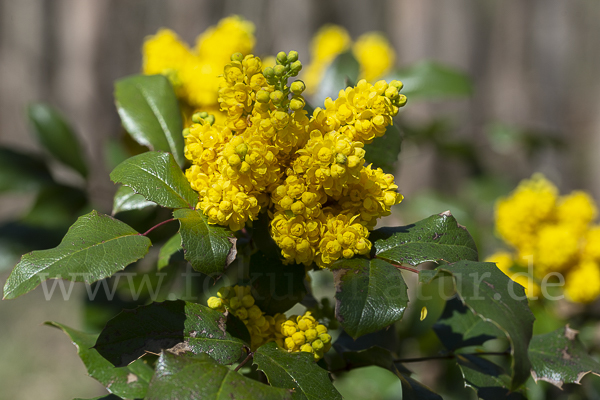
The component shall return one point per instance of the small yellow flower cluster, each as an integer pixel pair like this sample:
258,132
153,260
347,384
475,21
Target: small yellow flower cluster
308,173
372,50
195,73
555,233
297,333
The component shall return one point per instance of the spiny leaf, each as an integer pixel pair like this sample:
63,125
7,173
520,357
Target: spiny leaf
126,200
156,176
94,248
150,113
176,325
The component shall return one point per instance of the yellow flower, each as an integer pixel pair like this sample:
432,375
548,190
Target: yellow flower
583,282
232,34
328,43
300,333
344,237
375,55
576,209
505,261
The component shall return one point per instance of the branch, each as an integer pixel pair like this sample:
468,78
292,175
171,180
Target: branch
416,271
451,355
248,357
156,226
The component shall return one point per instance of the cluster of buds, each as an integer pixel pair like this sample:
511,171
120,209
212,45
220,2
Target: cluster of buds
294,334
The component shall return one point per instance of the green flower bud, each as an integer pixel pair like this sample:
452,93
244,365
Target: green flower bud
235,303
298,87
397,84
295,67
224,292
317,345
186,132
262,96
210,119
311,334
241,149
391,92
276,96
248,300
401,100
281,57
241,313
269,73
307,348
297,103
279,70
341,159
237,57
325,338
292,56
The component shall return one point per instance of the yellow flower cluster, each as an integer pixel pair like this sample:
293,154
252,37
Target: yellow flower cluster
297,333
556,233
372,50
310,174
195,73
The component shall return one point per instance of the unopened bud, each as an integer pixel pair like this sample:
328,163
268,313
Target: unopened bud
269,73
210,119
276,96
237,57
341,159
241,149
281,57
297,103
298,87
262,96
295,67
401,100
279,70
397,84
292,56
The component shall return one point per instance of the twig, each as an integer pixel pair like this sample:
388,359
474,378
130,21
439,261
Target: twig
416,271
155,226
452,355
248,357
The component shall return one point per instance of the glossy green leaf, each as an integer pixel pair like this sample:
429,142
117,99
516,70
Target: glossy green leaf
343,71
56,136
201,378
491,295
296,371
128,382
383,151
95,247
20,172
370,295
431,80
437,238
156,176
177,326
107,397
172,246
414,390
559,357
126,200
56,206
277,287
486,379
150,113
209,248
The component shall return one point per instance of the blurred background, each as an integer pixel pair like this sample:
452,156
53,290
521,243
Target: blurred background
534,106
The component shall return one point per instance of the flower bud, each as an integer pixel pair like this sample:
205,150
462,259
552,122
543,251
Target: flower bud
341,159
248,301
224,292
214,303
262,96
279,70
295,67
401,100
186,131
325,338
235,303
269,73
237,57
292,56
297,103
311,334
210,119
298,87
299,338
276,96
317,345
397,84
307,348
241,313
241,150
289,343
321,329
281,57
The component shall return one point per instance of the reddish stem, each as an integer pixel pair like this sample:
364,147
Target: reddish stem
156,226
416,271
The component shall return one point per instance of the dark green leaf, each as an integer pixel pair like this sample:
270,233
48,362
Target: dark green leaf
370,295
343,70
156,176
171,247
559,357
489,386
107,397
209,248
150,113
126,200
297,371
383,151
20,172
128,382
177,326
491,295
277,287
56,136
437,238
94,248
431,80
414,390
201,378
56,206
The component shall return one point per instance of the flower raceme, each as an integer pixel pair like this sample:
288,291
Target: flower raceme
555,232
294,334
309,174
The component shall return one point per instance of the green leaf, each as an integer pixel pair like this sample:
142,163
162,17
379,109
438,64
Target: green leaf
172,246
56,136
430,80
128,382
491,295
277,287
200,377
106,397
156,176
56,206
488,385
296,371
559,357
414,390
343,70
126,200
150,113
20,172
370,295
95,247
177,326
209,248
437,238
383,151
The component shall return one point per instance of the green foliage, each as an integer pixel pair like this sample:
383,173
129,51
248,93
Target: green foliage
158,178
296,371
172,246
431,80
342,72
383,151
20,172
200,377
53,132
178,326
150,113
126,200
95,247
